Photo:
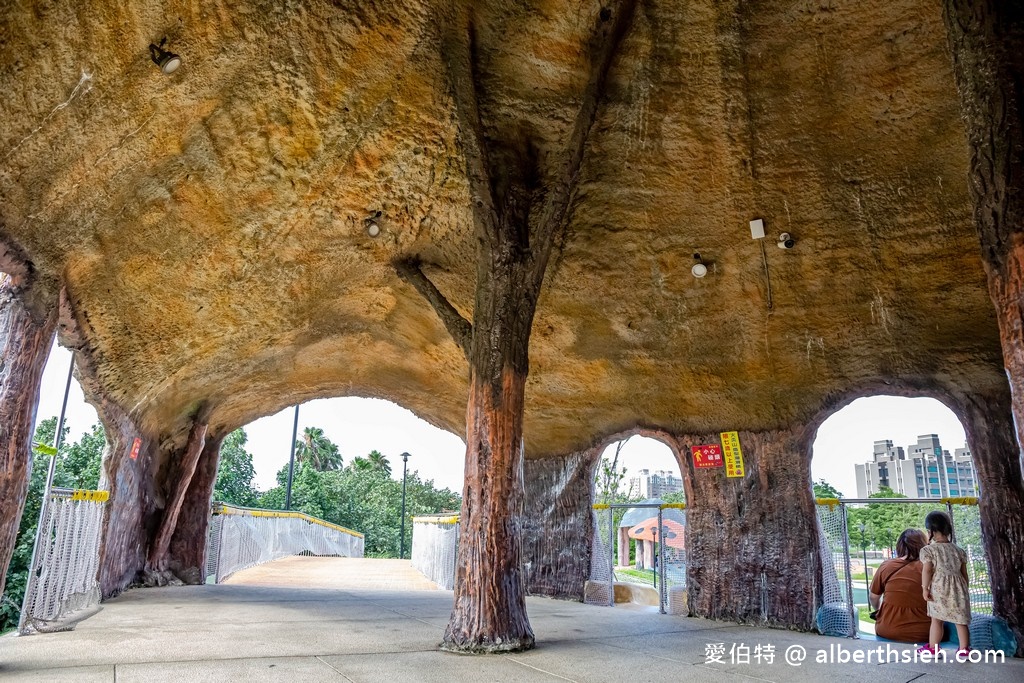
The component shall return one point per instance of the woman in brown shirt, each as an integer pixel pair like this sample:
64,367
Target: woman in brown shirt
903,615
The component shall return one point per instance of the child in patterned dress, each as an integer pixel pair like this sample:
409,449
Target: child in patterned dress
944,580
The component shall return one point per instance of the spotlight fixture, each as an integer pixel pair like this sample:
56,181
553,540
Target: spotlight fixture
167,61
786,241
371,225
698,270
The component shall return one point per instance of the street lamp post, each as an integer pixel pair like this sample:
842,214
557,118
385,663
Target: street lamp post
864,550
405,469
291,462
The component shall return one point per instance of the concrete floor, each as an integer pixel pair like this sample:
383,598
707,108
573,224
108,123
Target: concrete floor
307,631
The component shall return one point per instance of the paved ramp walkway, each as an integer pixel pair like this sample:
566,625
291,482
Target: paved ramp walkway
254,633
344,573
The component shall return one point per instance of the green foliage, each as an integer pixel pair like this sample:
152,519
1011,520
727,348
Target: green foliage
883,522
362,497
78,466
609,477
235,472
675,497
823,489
378,461
316,450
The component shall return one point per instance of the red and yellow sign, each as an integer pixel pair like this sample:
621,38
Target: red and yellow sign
733,454
136,445
709,455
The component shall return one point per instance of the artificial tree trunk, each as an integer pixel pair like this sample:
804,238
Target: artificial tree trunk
178,479
752,541
130,519
490,608
987,44
149,483
990,434
25,339
558,524
187,554
518,208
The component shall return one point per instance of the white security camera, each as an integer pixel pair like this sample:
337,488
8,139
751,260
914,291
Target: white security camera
786,241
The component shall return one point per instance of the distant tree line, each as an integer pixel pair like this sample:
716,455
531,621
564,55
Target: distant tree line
361,496
883,522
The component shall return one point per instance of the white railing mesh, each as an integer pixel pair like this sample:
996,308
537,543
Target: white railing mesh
240,538
63,588
435,543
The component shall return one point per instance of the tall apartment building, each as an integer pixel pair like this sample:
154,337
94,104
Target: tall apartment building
925,470
655,485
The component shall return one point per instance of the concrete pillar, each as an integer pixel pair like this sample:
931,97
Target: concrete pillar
623,546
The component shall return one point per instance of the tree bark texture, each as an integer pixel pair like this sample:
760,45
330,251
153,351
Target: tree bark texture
25,340
986,40
179,479
490,606
990,434
131,516
187,555
148,495
558,524
752,541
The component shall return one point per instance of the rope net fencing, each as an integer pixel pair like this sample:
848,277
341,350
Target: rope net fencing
240,538
837,615
435,544
63,587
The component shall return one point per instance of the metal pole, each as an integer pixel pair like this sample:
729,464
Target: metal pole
291,462
661,562
952,527
849,578
405,468
864,552
44,505
611,557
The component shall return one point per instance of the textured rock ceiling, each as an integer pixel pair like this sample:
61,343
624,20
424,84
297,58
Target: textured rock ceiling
210,225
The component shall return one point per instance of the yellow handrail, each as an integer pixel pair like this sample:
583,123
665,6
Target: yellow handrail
436,519
94,496
225,509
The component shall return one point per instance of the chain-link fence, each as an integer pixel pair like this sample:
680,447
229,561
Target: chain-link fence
240,538
62,584
641,548
858,534
435,544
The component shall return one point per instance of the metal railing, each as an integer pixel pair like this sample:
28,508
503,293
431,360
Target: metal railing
651,532
63,587
240,538
435,545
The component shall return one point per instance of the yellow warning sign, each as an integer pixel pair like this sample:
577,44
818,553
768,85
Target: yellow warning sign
732,454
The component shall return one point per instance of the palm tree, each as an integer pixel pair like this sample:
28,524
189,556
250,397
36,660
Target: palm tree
379,462
361,464
316,450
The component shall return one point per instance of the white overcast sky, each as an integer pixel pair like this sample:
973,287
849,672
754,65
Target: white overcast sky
360,425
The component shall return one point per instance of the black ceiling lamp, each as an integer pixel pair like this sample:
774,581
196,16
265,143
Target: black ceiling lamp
167,61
